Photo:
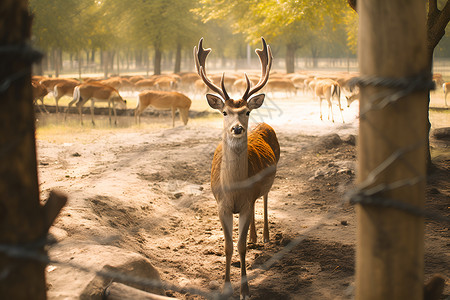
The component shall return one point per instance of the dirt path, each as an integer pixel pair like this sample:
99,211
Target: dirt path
147,190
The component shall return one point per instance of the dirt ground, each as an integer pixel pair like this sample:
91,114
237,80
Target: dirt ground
146,189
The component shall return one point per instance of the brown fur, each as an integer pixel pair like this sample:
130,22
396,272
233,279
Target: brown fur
96,92
39,92
63,89
164,100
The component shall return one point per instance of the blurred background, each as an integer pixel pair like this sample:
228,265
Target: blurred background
119,37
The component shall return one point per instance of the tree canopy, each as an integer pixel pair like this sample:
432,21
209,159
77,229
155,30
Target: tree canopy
314,28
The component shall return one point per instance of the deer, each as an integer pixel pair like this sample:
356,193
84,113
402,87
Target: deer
64,88
96,92
244,164
39,92
446,88
328,89
50,83
164,100
281,85
352,98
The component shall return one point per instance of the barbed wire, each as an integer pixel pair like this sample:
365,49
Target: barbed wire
23,52
365,194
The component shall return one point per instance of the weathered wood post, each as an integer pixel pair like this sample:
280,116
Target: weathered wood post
389,259
24,223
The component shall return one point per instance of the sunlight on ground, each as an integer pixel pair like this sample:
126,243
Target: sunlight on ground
285,113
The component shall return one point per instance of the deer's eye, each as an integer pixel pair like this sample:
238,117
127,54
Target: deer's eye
248,113
224,113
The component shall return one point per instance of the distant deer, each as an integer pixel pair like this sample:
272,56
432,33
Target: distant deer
446,88
164,100
328,89
352,98
64,88
238,158
96,92
39,92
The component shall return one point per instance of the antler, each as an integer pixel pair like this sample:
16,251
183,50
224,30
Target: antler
200,55
265,56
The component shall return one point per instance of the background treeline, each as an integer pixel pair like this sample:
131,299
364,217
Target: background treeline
116,36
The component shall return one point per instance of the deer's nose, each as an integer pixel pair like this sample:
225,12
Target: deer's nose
238,129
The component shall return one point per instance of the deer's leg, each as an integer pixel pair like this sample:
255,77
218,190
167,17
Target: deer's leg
43,105
68,107
340,109
56,101
38,106
226,219
244,222
80,107
320,106
330,110
115,113
92,111
137,114
253,237
266,219
173,116
109,110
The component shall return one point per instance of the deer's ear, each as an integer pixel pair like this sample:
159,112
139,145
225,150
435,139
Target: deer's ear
215,101
256,101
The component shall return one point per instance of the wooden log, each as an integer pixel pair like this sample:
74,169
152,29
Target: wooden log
119,291
390,245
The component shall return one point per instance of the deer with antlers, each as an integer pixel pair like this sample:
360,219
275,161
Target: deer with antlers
244,165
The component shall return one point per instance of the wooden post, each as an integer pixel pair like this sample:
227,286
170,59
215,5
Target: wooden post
24,222
389,259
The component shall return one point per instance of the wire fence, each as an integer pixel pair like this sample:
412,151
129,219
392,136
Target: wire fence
366,193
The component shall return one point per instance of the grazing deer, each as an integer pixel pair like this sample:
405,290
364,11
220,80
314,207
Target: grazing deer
164,100
238,158
328,89
281,85
446,88
50,83
39,92
64,88
96,92
352,98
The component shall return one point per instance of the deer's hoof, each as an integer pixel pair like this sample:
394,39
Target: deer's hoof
245,293
227,290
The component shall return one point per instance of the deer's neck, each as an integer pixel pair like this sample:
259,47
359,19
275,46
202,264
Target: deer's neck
234,166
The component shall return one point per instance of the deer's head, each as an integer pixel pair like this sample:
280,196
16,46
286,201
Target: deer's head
235,112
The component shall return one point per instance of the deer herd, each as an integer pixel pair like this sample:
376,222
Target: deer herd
245,161
170,91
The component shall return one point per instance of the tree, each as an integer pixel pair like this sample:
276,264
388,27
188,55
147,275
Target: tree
58,26
290,23
437,21
159,24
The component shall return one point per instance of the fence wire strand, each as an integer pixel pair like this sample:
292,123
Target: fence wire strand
366,193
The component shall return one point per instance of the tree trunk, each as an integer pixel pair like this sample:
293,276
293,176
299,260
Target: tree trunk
80,63
177,68
157,61
389,257
315,54
290,58
56,62
24,223
118,63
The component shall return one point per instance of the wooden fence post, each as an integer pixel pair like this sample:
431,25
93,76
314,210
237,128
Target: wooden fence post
24,223
392,44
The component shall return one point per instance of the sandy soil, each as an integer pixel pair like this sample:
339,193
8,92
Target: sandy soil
146,189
